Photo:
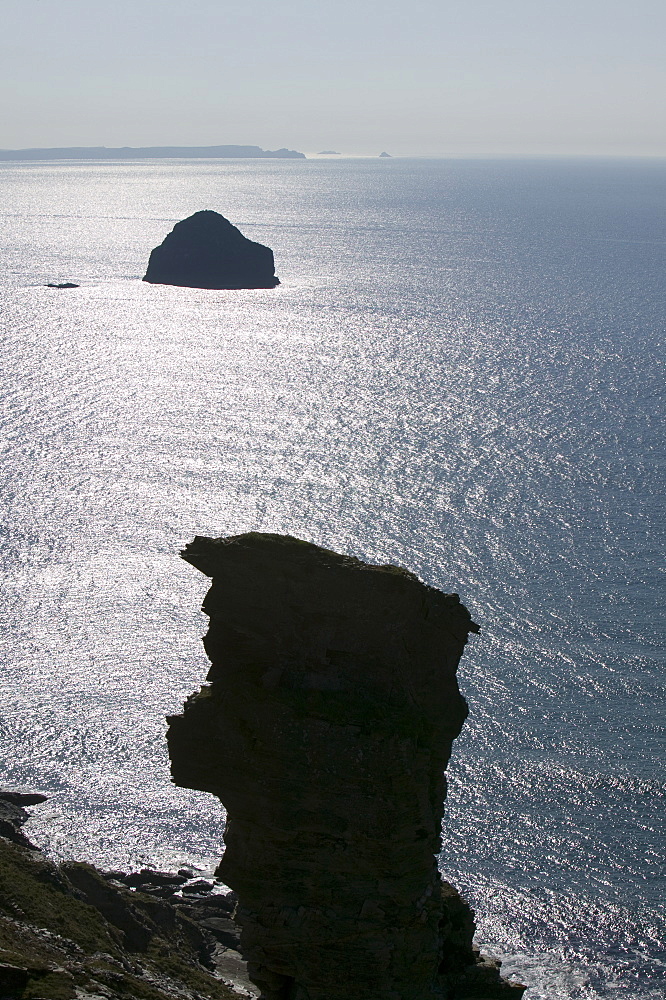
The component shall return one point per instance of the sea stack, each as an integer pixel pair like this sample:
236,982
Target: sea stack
325,729
207,251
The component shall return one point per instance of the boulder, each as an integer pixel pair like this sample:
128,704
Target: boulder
325,729
207,251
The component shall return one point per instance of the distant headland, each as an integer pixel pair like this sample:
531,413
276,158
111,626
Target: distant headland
148,152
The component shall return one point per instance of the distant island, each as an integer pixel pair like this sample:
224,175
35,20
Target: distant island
385,154
328,152
148,152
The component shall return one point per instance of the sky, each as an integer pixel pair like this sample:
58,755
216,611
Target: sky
413,77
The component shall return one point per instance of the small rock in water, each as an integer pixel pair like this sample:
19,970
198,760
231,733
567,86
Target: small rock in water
62,284
22,798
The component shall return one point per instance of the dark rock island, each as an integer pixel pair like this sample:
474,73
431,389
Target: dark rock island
325,728
207,251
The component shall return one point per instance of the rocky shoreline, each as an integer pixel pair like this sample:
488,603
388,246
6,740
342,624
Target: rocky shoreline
71,931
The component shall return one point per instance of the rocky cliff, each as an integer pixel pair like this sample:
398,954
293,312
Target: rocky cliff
207,251
325,728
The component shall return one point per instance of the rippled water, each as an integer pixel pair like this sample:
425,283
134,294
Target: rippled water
460,373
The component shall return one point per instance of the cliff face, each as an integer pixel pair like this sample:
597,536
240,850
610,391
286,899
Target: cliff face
325,730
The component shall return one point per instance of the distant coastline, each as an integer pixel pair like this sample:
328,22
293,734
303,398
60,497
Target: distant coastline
148,152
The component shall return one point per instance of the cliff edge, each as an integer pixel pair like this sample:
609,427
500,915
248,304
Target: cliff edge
325,728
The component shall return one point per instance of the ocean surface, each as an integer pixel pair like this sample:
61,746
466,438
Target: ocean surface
461,373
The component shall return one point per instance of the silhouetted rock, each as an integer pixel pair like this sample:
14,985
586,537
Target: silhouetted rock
325,730
386,155
207,251
63,284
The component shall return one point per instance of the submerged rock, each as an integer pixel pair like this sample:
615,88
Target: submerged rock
325,730
207,251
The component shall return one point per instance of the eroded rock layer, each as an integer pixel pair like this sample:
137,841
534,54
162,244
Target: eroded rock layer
325,729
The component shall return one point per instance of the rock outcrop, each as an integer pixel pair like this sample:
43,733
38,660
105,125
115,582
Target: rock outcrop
325,729
207,251
13,815
70,931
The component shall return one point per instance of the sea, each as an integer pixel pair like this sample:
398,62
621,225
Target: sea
461,373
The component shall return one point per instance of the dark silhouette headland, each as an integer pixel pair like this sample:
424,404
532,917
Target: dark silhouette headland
149,152
207,251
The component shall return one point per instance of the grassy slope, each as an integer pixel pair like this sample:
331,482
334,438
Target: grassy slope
63,944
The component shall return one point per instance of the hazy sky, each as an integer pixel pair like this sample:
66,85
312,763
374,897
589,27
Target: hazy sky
423,77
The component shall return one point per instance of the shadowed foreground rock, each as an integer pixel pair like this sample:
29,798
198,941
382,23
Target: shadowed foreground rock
71,932
325,730
207,251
